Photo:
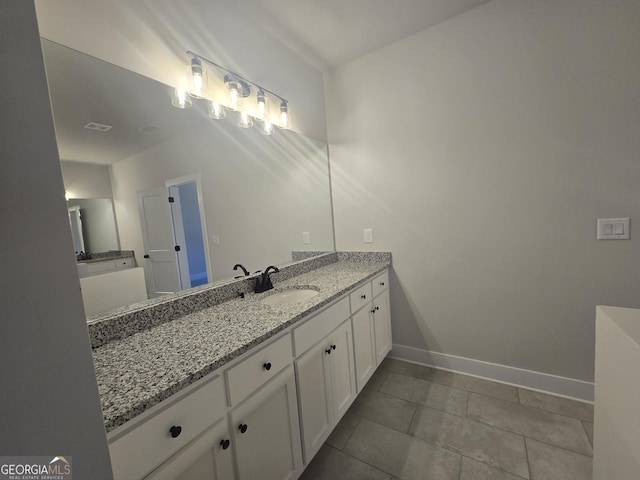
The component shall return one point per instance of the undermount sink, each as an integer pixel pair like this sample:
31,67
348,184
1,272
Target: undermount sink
290,295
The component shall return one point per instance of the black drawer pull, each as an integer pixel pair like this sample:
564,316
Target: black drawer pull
363,297
175,431
333,347
382,284
328,350
242,427
225,443
267,366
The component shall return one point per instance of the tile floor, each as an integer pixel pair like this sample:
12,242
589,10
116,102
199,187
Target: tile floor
413,422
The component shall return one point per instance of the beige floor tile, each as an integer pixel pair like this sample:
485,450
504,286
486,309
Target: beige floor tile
562,406
426,393
343,430
454,380
384,409
588,426
481,442
401,455
473,470
531,422
332,464
552,463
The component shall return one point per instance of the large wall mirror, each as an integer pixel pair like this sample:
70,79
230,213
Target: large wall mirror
258,198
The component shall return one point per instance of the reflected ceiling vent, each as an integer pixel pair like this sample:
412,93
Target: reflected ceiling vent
149,128
100,127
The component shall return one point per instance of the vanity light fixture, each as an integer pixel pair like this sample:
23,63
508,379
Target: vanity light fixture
236,90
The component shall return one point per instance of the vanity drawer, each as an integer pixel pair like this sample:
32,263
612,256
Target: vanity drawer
124,263
150,443
319,326
360,297
380,283
257,369
100,267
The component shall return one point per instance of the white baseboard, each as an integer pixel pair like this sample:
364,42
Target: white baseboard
543,382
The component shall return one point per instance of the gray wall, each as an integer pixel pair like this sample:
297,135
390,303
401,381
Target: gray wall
481,152
49,400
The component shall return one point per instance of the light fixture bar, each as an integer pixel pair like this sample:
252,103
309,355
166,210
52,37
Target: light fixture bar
236,75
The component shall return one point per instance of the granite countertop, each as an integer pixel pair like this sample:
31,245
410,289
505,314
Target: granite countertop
141,370
106,256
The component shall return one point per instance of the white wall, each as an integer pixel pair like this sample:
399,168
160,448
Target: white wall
481,152
259,193
49,399
86,181
151,37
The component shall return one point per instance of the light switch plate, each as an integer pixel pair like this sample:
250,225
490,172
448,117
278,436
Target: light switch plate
613,229
305,237
368,235
215,240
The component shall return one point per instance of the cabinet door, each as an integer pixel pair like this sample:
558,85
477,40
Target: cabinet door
266,432
343,377
363,344
382,325
208,457
314,397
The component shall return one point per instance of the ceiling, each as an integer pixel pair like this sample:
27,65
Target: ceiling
330,33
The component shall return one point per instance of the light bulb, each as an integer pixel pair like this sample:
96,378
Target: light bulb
180,99
284,115
198,81
233,97
245,120
262,104
216,110
267,128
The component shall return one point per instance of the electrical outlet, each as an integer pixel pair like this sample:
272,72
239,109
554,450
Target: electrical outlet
368,235
305,237
215,240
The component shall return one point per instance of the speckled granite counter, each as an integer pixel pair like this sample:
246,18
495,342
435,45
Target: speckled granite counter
139,371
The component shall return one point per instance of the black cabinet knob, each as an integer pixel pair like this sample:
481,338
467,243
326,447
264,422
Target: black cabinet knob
267,366
382,284
333,347
377,308
328,350
363,297
373,310
145,256
242,427
175,431
225,443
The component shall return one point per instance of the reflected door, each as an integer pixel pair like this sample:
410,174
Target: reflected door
161,259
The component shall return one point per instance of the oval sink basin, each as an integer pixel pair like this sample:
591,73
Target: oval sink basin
291,295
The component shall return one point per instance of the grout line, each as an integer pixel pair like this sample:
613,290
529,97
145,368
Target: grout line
526,453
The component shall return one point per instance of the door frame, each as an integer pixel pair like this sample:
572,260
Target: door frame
179,228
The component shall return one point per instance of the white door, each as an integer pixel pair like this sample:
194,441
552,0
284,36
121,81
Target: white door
161,265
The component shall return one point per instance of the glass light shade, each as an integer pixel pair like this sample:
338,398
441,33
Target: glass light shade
285,115
180,99
262,105
266,127
198,82
246,120
216,110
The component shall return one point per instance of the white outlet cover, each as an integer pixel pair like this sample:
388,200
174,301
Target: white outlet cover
306,238
368,235
215,240
613,229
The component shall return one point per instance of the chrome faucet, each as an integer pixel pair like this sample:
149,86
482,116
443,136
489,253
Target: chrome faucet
263,282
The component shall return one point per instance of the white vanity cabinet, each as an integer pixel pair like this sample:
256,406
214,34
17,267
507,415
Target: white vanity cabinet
371,326
326,387
260,415
266,432
209,456
141,445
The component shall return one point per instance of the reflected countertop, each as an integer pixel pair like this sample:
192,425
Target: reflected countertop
139,371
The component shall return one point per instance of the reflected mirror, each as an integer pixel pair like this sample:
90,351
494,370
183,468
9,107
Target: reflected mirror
174,174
